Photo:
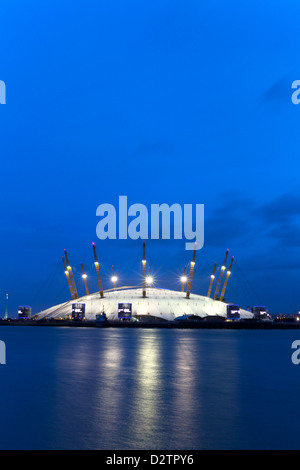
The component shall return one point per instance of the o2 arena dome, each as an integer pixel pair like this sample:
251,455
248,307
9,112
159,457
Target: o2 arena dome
146,303
160,304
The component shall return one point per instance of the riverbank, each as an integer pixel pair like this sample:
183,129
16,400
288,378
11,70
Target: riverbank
186,324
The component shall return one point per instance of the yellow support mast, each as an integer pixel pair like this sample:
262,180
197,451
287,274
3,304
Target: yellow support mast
221,277
183,280
84,277
226,280
144,270
149,279
98,272
114,278
212,278
189,286
69,268
68,278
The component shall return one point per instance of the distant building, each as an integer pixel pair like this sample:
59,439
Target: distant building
24,312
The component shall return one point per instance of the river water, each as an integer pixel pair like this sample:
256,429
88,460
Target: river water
80,388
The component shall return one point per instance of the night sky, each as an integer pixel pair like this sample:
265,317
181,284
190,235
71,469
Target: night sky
165,101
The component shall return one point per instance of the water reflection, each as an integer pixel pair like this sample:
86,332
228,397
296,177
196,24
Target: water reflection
145,389
144,412
152,389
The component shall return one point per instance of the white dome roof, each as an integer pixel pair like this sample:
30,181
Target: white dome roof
160,303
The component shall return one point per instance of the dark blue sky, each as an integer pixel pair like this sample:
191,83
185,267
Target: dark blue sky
185,101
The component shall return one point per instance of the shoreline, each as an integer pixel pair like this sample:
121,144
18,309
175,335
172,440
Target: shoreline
239,325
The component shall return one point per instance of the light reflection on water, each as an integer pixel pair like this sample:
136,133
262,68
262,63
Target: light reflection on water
148,389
